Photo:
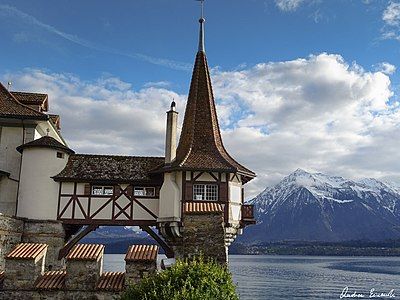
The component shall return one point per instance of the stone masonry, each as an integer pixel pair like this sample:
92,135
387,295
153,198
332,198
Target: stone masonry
25,276
202,233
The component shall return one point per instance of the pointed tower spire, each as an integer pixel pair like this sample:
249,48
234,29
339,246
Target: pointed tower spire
201,21
200,144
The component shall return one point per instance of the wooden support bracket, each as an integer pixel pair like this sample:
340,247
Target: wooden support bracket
71,243
167,249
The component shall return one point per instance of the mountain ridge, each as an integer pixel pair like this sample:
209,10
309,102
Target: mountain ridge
319,207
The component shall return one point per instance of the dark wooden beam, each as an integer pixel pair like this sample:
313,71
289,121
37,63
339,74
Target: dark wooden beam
71,243
167,249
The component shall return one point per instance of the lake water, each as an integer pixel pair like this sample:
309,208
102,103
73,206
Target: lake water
305,277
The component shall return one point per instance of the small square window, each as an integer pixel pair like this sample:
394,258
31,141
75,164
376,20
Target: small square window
207,192
60,155
108,190
144,191
97,190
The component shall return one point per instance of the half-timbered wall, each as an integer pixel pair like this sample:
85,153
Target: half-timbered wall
229,191
77,205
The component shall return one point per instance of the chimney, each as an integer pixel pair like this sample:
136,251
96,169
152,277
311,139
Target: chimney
170,139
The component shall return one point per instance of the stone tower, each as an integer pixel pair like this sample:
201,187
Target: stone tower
202,208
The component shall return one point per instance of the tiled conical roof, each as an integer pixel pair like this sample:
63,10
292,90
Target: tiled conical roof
46,142
200,145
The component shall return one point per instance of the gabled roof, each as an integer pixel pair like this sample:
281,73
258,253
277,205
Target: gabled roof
111,168
45,142
27,251
56,120
200,145
52,280
86,252
111,281
10,107
142,253
32,99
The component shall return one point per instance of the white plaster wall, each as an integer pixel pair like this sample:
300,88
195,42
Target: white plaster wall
235,199
10,161
41,130
38,192
170,196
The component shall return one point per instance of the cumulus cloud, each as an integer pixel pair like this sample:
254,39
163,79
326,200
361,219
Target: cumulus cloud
386,68
288,5
319,113
104,116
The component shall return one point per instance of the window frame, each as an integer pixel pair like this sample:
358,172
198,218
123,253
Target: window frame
103,188
144,189
207,193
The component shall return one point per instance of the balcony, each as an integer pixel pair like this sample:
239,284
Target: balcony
247,215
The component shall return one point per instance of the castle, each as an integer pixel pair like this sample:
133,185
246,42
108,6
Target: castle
190,201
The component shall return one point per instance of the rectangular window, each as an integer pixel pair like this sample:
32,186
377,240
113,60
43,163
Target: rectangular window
102,190
60,155
205,192
142,191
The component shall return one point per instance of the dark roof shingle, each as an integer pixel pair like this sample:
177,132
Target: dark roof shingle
47,142
86,167
10,107
200,144
32,99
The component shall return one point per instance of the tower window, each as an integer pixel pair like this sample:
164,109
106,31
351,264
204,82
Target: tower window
206,192
60,155
141,191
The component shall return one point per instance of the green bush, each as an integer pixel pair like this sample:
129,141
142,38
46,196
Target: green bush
195,279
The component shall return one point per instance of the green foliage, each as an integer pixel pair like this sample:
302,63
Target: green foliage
195,279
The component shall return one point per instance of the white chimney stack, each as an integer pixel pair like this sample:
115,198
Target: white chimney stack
170,139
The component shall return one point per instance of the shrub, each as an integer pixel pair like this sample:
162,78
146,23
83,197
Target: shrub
195,279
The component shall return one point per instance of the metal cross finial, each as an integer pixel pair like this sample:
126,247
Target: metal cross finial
201,21
202,8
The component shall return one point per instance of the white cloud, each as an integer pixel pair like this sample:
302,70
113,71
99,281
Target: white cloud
386,68
318,113
391,18
391,14
288,5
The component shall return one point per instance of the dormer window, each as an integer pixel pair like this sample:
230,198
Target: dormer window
141,191
205,192
98,190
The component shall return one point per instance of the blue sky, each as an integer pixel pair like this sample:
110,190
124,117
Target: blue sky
306,84
238,33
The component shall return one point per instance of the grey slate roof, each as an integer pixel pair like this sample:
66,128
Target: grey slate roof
110,168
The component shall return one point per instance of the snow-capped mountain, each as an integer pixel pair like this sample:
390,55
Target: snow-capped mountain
318,207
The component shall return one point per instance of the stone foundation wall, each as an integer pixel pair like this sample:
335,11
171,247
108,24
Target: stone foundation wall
10,235
46,232
58,295
15,230
202,233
